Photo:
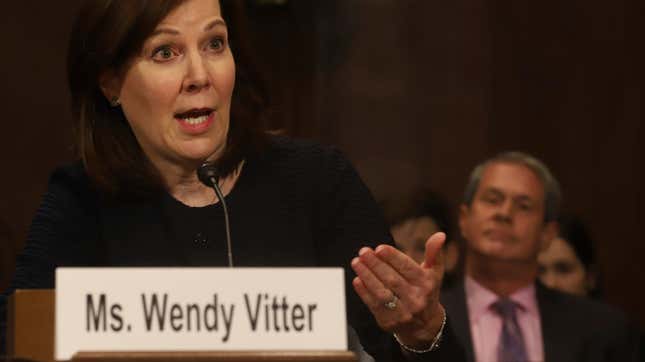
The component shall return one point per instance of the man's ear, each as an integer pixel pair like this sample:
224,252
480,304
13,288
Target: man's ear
549,232
110,84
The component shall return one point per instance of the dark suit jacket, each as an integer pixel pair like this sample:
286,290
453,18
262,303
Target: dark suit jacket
574,329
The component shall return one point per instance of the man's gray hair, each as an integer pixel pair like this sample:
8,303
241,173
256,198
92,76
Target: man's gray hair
552,194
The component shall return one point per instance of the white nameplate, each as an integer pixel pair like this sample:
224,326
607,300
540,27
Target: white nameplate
199,309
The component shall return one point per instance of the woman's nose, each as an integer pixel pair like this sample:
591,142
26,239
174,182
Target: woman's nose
196,77
548,279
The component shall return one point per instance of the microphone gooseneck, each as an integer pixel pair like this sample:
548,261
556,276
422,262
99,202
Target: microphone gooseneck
209,175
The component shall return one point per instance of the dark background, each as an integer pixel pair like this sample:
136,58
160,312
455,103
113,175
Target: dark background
415,93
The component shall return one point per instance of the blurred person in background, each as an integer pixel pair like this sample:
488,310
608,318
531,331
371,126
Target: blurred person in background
417,215
499,311
569,263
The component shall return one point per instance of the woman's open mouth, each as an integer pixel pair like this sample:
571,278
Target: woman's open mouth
196,121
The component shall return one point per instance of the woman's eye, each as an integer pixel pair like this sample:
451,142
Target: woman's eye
563,268
216,44
163,53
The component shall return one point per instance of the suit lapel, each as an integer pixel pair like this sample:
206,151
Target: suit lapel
454,300
554,336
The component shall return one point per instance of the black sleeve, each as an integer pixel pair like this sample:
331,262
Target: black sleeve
55,237
349,218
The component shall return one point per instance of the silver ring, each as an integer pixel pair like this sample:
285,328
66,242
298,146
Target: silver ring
391,305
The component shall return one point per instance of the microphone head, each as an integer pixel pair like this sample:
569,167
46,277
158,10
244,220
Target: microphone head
208,174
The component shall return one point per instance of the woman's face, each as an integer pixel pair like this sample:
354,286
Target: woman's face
176,93
560,268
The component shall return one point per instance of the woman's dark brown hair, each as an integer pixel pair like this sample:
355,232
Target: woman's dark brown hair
105,36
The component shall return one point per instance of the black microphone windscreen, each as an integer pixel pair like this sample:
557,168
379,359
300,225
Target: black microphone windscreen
207,173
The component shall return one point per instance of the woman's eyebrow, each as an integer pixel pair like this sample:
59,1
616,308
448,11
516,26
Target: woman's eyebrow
214,23
164,31
171,31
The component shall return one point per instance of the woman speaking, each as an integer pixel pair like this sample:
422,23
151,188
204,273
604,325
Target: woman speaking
156,93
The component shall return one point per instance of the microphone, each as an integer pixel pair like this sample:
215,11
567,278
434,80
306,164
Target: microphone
209,175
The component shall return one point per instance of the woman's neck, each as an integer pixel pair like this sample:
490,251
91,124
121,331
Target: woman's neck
184,185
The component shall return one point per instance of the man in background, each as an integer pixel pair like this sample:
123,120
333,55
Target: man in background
498,311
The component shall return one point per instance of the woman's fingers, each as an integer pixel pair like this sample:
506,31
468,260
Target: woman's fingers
372,283
392,279
387,272
433,249
401,263
401,294
388,319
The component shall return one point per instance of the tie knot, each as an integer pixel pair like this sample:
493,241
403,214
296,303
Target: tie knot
505,307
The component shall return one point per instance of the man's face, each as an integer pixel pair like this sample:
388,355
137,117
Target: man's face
505,221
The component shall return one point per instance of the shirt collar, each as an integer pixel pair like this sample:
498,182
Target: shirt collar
479,299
